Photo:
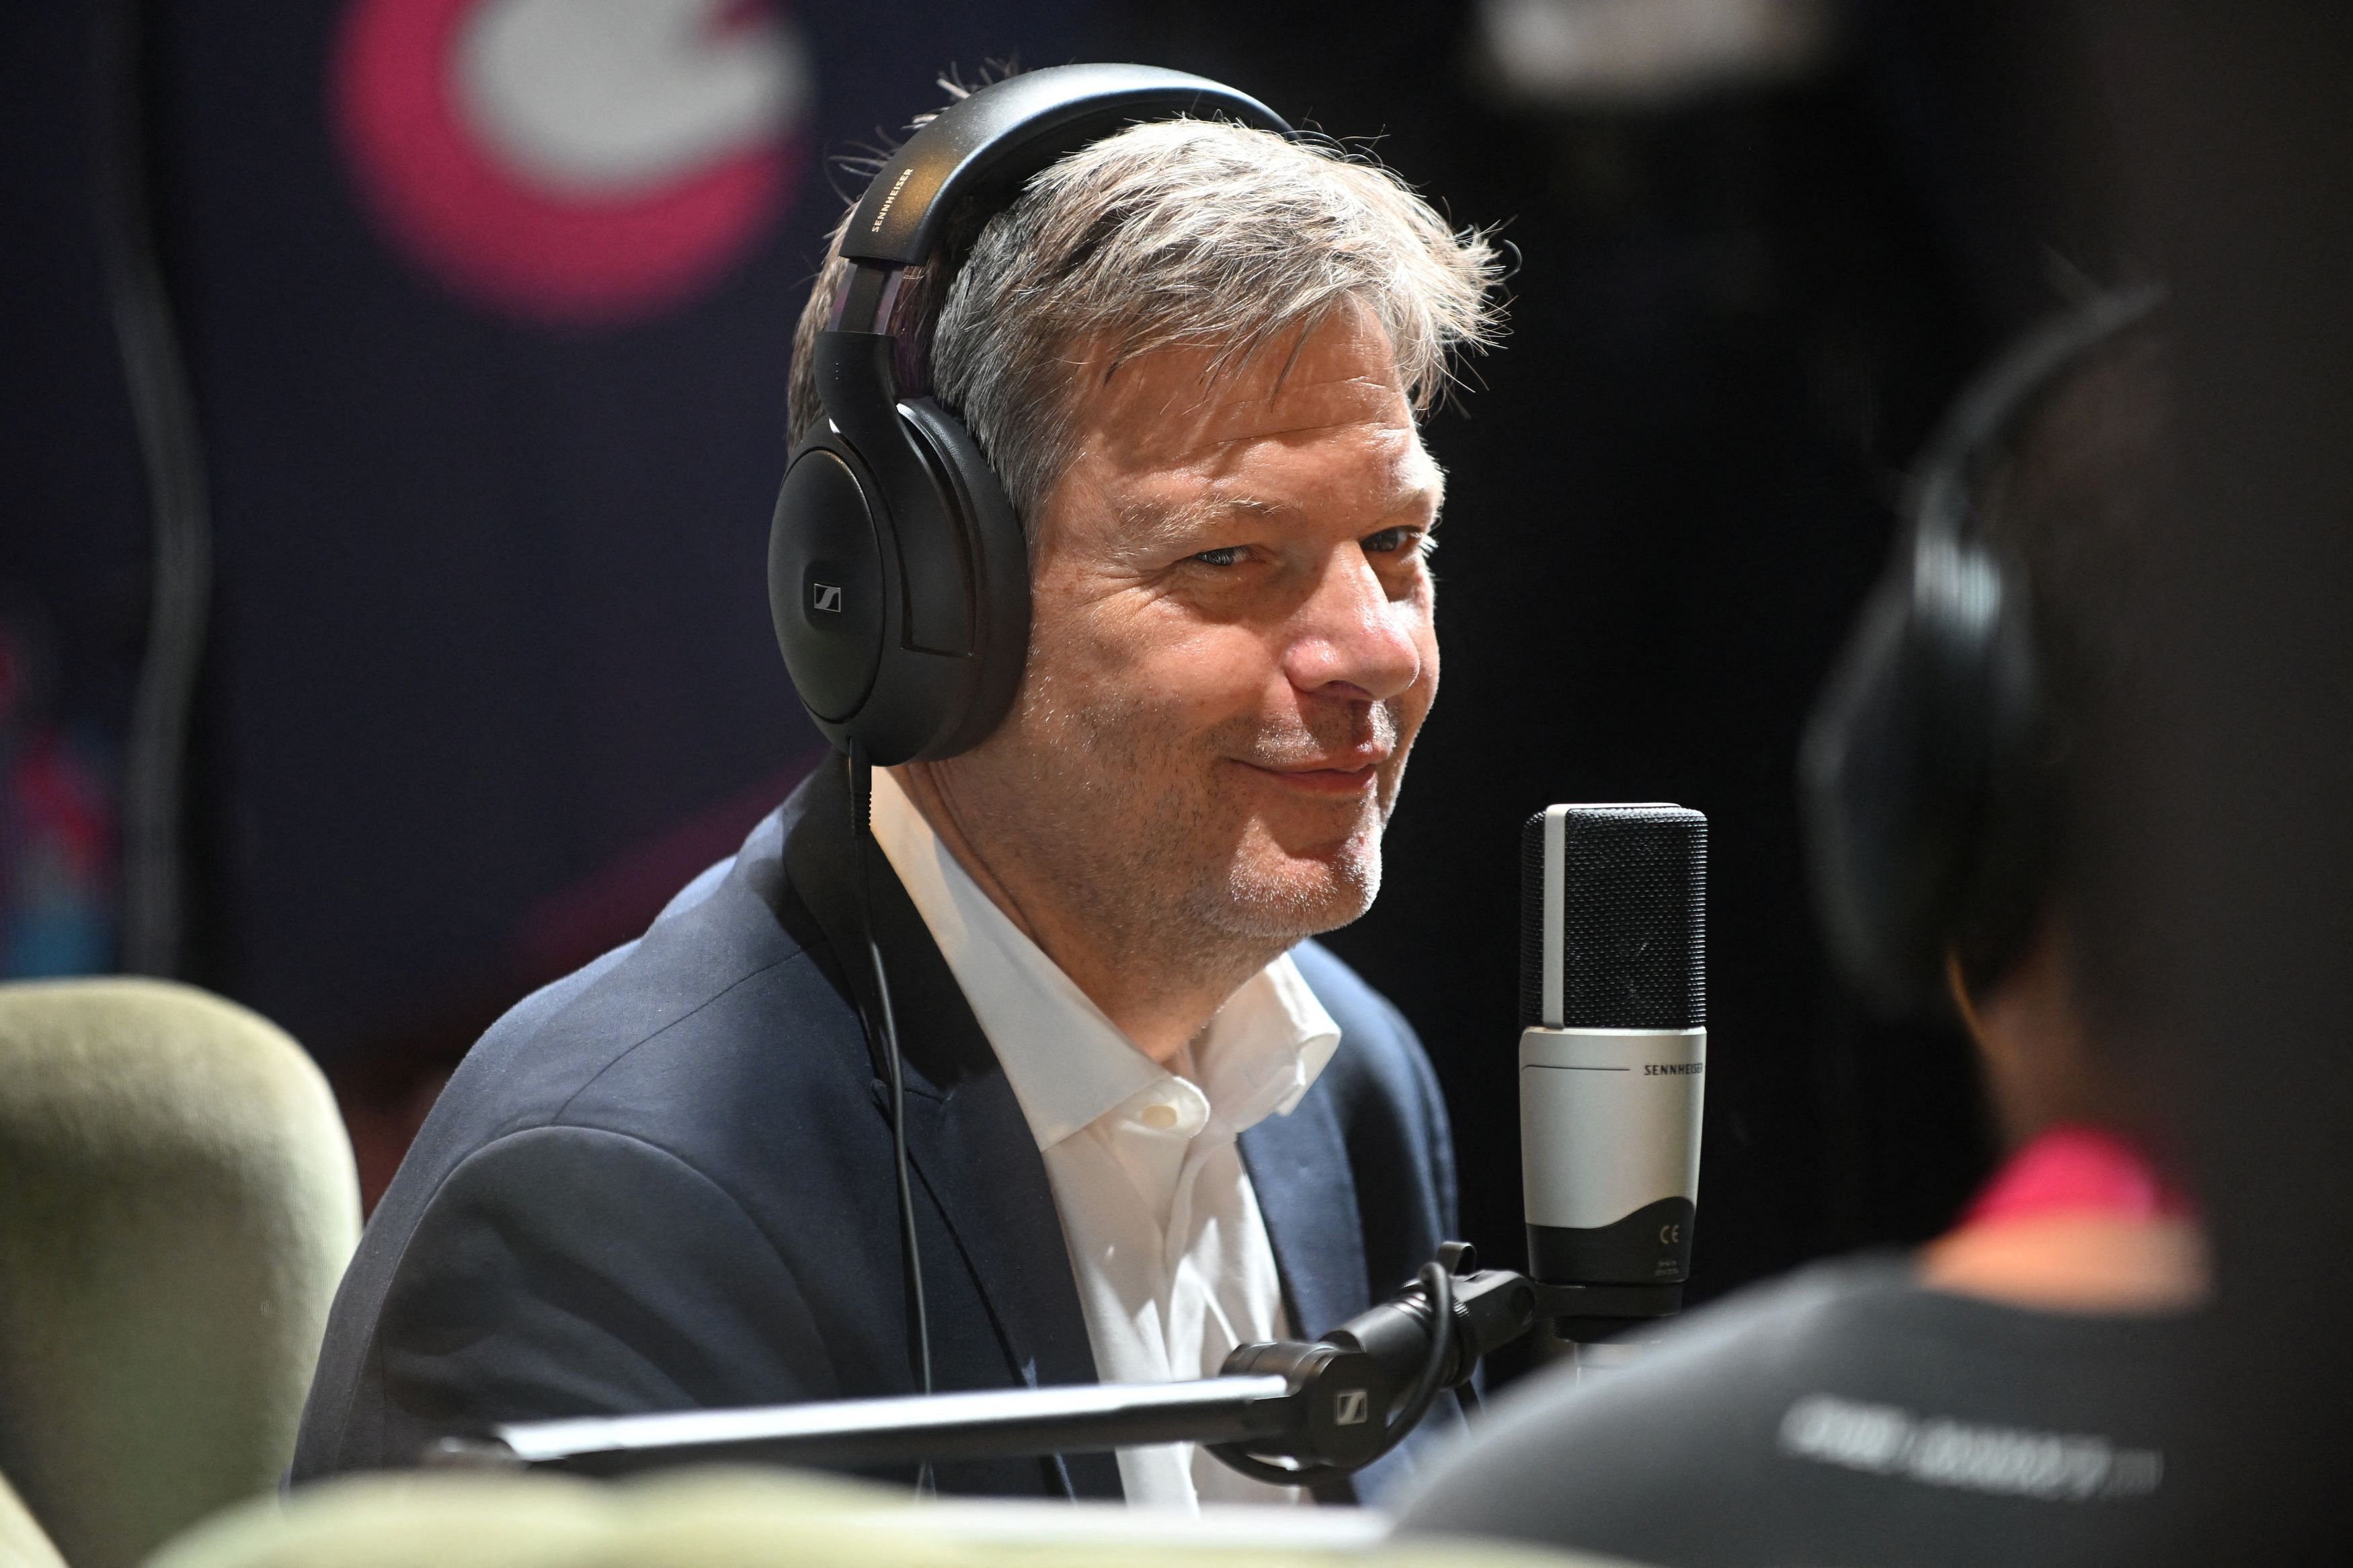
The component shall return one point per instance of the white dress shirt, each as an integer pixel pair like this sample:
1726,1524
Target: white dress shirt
1166,1244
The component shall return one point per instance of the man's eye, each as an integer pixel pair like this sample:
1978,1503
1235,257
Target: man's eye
1225,555
1389,541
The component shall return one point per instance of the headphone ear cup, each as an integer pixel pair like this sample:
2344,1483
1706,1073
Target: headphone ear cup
901,608
996,555
1859,768
828,597
1919,776
2006,880
1932,793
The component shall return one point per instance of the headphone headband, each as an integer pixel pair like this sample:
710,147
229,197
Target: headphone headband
2006,393
1932,801
990,143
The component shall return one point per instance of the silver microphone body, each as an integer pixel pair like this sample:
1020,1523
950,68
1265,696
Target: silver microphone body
1613,1053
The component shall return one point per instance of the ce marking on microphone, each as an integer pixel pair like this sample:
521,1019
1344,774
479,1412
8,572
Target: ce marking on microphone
1671,1235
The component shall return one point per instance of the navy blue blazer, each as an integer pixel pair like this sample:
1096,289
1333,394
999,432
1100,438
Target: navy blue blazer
665,1182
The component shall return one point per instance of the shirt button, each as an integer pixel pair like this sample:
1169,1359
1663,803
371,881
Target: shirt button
1161,1117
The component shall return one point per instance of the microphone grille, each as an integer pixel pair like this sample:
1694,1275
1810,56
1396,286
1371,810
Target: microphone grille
1613,917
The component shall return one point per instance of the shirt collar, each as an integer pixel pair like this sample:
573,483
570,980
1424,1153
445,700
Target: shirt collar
1068,1064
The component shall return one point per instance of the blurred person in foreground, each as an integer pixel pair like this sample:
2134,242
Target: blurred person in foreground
1996,1397
1149,1120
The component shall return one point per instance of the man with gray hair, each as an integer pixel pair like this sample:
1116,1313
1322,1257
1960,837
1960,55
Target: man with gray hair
1148,1120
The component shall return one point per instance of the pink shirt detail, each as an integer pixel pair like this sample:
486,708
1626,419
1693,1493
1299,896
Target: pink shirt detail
2076,1169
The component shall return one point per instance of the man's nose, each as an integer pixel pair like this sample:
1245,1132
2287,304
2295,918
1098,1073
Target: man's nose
1351,639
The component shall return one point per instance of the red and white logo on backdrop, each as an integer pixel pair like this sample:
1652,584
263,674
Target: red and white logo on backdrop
578,162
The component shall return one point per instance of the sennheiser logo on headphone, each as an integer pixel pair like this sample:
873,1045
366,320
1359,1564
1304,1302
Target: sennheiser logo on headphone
826,596
896,186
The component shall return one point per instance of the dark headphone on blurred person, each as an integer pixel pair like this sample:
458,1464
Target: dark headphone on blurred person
898,576
1929,799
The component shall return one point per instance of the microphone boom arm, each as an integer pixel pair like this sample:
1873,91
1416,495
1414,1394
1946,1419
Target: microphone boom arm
1325,1406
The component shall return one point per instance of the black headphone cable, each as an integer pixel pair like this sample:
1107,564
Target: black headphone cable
919,1324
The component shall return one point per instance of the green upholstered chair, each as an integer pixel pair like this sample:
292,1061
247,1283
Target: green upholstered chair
774,1519
177,1201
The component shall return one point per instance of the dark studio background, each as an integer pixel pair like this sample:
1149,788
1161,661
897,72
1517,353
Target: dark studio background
488,673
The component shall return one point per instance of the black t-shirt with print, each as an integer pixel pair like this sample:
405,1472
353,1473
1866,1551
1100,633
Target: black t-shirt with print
1843,1418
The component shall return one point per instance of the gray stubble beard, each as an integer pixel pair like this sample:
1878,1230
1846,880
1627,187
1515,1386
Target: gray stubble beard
1130,865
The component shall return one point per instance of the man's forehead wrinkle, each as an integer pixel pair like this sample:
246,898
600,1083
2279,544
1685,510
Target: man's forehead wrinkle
1379,429
1214,437
1180,455
1393,458
1392,471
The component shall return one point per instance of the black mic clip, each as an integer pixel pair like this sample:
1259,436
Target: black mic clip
1366,1384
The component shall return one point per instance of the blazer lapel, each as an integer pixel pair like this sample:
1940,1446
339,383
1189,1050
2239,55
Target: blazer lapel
974,1151
971,1146
1299,1165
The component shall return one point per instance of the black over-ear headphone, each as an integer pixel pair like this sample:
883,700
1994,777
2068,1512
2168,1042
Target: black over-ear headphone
1929,799
898,576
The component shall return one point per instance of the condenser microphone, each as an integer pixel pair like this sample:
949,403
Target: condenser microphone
1613,1053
